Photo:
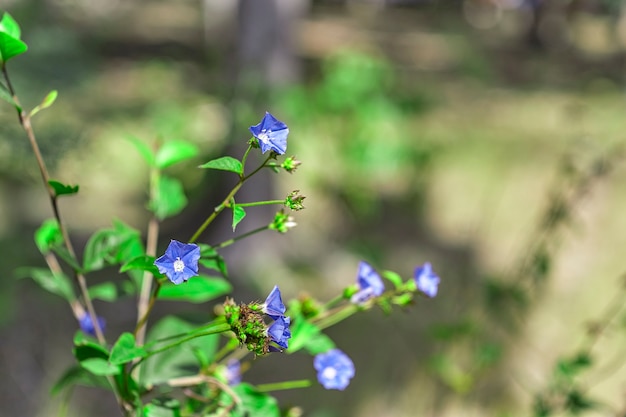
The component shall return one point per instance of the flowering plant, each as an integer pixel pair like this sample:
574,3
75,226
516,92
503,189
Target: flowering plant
204,377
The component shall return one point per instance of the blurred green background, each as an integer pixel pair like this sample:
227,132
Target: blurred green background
484,136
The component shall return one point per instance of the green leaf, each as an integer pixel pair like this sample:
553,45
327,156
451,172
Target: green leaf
394,278
62,189
174,151
56,283
79,376
308,336
254,403
197,290
10,47
125,350
112,246
238,214
167,407
107,291
211,259
169,198
48,236
142,263
143,149
47,102
99,366
9,26
225,163
175,362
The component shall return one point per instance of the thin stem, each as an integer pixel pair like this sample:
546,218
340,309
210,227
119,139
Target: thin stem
155,293
218,328
226,202
261,203
82,284
279,386
240,237
337,316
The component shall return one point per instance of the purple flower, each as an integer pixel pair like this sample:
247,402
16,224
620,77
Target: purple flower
271,134
369,282
273,305
279,331
427,281
86,324
334,369
233,372
180,261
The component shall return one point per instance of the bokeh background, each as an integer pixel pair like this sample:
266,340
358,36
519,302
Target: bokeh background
484,136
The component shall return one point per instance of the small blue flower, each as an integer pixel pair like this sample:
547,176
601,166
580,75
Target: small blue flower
369,282
233,372
279,331
334,369
273,305
86,324
427,281
271,133
180,261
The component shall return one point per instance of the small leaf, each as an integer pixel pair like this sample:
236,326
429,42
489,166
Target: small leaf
211,259
56,283
111,246
9,26
106,291
143,149
79,376
99,366
48,236
197,290
174,151
255,403
47,102
156,410
62,189
238,214
169,198
125,350
142,263
225,163
394,278
10,47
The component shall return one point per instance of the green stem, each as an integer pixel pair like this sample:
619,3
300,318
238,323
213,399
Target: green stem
338,316
240,237
278,386
226,202
142,321
215,329
261,203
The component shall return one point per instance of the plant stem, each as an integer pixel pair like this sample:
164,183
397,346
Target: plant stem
82,284
240,237
278,386
155,293
261,203
214,329
226,202
337,316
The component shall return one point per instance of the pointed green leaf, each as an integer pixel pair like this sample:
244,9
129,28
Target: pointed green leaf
142,263
395,279
197,290
254,403
238,214
168,407
62,189
174,151
125,350
48,236
47,102
112,246
99,366
211,259
107,291
225,163
56,283
143,149
10,47
169,198
9,26
79,376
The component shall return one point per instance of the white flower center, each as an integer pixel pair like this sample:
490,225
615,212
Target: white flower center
329,373
264,136
179,265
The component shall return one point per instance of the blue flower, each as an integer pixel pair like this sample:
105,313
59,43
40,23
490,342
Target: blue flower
233,372
334,369
279,331
271,133
369,282
427,281
273,305
86,324
180,261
